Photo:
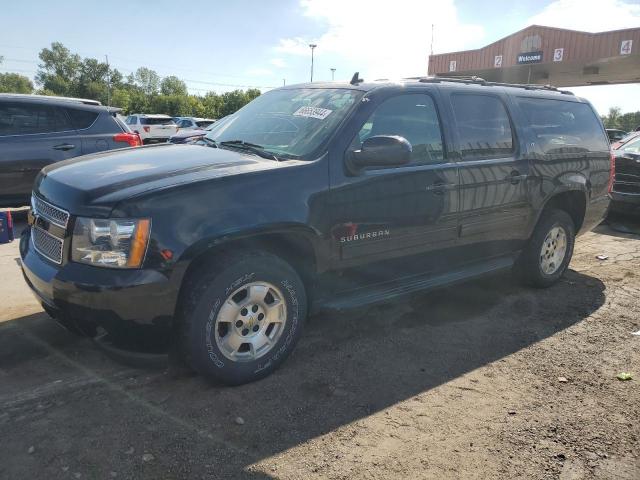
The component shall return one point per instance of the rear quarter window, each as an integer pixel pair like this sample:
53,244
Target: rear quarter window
562,126
31,118
81,119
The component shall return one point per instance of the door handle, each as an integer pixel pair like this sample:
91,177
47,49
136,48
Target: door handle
516,177
440,188
64,147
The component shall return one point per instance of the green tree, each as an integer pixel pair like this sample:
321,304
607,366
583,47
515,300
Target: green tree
15,83
147,80
59,70
172,85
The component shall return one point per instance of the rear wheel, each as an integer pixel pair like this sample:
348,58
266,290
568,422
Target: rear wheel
243,318
548,253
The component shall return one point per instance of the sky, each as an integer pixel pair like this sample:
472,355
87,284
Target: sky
222,45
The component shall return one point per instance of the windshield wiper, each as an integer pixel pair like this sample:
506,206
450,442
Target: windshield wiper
250,147
209,142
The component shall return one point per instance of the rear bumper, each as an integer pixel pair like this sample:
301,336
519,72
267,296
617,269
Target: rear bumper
114,299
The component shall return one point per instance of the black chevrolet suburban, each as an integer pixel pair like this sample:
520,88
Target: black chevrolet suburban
315,196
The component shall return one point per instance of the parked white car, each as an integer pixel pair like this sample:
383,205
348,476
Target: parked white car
152,128
193,123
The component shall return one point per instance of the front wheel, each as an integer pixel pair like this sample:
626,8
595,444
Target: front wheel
548,253
243,319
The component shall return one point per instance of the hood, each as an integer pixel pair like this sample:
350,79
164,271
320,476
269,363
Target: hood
93,184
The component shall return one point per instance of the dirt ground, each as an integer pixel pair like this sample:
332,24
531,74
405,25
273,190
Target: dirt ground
460,383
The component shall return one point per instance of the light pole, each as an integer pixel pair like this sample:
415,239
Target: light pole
312,46
333,71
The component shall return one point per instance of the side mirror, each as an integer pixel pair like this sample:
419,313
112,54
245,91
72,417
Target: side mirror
381,151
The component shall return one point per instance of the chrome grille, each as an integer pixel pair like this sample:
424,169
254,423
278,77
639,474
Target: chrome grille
53,214
47,245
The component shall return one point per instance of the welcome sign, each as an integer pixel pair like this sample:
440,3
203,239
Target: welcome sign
529,57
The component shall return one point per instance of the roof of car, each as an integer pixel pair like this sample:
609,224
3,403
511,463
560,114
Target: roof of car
50,98
152,115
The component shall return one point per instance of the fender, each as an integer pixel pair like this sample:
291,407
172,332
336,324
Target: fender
564,183
246,236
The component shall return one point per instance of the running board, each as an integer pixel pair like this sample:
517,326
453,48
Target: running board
382,293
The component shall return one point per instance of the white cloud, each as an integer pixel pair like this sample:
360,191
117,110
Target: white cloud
278,62
382,40
589,15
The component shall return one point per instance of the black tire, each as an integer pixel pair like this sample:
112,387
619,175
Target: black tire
528,266
209,289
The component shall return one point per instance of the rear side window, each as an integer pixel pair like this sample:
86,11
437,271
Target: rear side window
412,116
25,118
156,121
483,126
564,127
81,119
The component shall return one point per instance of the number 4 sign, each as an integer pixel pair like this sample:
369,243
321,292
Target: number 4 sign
625,47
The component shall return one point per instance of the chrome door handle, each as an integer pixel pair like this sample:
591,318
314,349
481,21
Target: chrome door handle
440,188
515,177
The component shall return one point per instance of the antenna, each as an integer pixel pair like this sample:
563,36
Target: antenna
355,80
108,82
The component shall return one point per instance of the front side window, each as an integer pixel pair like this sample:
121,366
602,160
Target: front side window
26,119
412,116
289,123
562,126
483,125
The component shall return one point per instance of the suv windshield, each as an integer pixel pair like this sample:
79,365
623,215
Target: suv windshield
292,123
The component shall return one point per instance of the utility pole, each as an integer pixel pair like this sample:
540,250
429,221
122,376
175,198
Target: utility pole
108,82
333,71
312,46
284,82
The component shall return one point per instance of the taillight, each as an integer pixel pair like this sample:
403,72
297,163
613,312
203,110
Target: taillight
147,129
612,172
133,139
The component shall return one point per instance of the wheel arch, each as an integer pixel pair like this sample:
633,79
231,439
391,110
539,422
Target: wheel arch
299,246
573,201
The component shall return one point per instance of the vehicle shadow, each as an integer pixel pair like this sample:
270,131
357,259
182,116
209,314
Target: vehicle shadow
347,366
620,225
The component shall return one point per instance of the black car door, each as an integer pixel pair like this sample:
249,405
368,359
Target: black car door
386,213
32,135
495,205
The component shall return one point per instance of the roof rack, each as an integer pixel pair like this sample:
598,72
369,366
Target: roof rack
481,81
53,98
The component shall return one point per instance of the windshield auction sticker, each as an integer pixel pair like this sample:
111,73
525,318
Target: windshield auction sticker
312,112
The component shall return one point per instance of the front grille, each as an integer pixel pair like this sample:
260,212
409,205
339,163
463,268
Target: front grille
49,212
47,245
626,183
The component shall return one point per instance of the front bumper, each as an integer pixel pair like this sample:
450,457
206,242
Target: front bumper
118,300
625,202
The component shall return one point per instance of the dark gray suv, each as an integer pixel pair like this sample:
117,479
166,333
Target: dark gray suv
36,131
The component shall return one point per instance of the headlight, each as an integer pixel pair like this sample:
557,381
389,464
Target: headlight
112,243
